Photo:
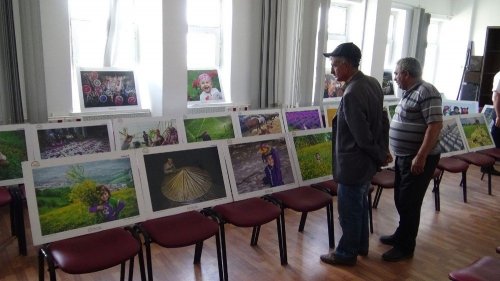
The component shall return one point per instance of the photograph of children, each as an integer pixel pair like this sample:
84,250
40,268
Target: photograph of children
204,86
107,88
476,132
145,132
259,123
75,196
330,113
260,165
451,140
305,119
454,107
179,178
314,155
205,127
57,141
13,151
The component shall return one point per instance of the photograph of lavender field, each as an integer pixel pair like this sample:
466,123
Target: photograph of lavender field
302,120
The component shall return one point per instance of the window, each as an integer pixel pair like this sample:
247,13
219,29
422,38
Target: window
395,37
432,51
337,29
204,44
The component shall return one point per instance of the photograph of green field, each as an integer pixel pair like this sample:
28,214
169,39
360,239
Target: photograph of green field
209,128
476,132
12,152
314,153
69,197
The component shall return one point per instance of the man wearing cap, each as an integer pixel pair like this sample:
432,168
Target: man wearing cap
359,150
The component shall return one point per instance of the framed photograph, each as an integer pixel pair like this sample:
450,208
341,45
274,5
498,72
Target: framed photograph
330,111
72,196
489,113
391,107
258,122
476,131
55,140
260,165
302,118
333,88
131,133
15,147
459,107
183,177
204,86
102,89
207,127
451,139
312,155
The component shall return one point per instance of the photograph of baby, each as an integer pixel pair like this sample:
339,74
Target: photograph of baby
305,119
260,123
205,127
451,141
58,142
476,132
13,151
72,196
107,88
204,86
178,178
145,132
314,155
260,165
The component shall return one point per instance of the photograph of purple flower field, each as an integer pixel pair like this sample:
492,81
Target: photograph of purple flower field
72,141
303,120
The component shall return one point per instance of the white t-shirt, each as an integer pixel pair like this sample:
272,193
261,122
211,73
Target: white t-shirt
496,85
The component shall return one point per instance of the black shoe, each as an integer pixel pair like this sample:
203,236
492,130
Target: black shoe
388,239
395,255
363,253
331,259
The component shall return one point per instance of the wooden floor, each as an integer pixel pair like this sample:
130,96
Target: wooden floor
449,239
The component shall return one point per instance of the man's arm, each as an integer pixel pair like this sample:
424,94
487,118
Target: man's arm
496,105
430,139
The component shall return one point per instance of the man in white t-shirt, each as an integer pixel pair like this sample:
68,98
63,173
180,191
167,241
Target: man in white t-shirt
495,97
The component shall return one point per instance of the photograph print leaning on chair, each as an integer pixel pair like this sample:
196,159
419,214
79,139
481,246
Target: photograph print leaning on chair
14,149
77,195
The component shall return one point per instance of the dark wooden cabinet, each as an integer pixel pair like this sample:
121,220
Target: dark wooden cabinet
491,64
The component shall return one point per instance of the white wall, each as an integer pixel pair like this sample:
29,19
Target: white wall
486,13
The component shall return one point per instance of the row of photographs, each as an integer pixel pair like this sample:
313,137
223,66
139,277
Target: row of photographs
76,195
54,140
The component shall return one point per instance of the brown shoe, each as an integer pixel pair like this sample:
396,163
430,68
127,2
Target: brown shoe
331,259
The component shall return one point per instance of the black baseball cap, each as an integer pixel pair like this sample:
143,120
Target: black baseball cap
348,51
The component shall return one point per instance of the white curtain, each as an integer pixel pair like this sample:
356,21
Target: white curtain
122,31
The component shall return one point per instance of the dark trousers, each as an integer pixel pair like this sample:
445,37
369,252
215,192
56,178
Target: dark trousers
409,192
495,133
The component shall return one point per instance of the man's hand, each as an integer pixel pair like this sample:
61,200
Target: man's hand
497,122
417,165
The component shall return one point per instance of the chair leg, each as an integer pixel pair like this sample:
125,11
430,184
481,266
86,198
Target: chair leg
489,180
370,211
223,250
197,252
149,266
122,271
17,220
302,223
280,221
41,265
131,269
437,197
255,235
331,232
219,257
464,185
378,193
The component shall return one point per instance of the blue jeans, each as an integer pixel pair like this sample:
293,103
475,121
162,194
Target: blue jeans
352,201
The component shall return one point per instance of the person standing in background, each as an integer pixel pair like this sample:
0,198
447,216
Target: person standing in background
414,139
